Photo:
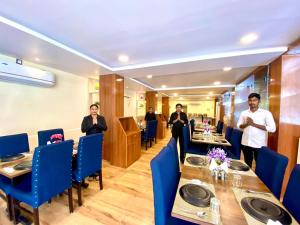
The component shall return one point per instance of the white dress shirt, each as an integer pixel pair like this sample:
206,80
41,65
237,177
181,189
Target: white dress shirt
252,136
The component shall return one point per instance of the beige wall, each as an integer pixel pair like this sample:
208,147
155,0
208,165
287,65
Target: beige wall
194,106
28,109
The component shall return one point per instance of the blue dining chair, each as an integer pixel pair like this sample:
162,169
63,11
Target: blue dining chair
193,124
219,127
291,197
44,135
173,145
228,133
13,144
88,161
189,147
149,133
51,175
234,151
165,179
270,168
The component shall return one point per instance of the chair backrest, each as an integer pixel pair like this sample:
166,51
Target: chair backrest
270,168
173,145
291,198
151,128
228,133
220,127
235,141
186,137
45,135
13,144
51,171
165,178
89,156
192,122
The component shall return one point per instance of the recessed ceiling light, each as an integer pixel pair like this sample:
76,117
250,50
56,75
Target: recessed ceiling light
126,86
163,86
227,68
156,95
210,92
175,94
217,83
37,59
149,76
248,38
123,58
207,97
181,98
119,79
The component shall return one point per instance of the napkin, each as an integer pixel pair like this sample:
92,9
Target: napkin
8,169
271,222
198,182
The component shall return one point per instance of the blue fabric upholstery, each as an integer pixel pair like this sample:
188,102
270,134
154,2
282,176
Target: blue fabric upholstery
173,145
44,135
228,133
5,184
234,151
291,198
220,127
270,168
13,144
192,122
149,133
165,178
51,174
89,156
190,147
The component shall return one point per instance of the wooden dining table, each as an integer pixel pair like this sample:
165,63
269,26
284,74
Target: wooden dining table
210,139
231,212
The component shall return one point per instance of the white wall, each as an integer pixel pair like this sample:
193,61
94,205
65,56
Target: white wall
28,109
132,103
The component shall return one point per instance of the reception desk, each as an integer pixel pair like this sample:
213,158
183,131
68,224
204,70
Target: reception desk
127,148
161,127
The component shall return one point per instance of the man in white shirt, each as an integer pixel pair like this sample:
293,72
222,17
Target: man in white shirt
255,123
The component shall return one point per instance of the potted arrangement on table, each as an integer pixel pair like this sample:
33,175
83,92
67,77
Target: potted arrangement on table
219,162
206,127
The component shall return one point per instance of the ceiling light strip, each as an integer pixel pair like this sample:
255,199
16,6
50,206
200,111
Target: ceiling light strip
50,40
195,87
142,83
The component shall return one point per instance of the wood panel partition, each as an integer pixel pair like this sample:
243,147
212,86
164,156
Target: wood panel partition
128,142
151,100
161,126
165,107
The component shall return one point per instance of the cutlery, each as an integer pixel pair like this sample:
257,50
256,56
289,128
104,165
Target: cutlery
198,213
258,192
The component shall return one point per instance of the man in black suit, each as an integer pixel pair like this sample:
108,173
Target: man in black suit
150,115
94,123
178,119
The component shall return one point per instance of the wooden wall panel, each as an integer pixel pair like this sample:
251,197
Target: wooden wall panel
151,100
111,106
165,108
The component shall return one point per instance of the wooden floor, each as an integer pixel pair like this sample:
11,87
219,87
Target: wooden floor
127,197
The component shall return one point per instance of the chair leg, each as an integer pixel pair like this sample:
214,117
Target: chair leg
150,143
9,207
70,197
13,210
79,194
36,220
146,142
100,180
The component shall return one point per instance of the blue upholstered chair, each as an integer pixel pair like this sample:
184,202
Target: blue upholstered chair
51,175
193,124
219,127
44,135
13,144
190,147
173,145
234,151
165,179
292,194
228,133
88,161
270,168
150,132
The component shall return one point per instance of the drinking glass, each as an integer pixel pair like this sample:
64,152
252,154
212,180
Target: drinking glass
237,181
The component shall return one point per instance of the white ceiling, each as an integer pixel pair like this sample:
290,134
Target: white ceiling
151,33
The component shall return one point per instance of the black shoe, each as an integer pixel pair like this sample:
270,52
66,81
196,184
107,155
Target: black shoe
85,185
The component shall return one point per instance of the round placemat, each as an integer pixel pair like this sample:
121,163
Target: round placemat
196,195
197,161
10,158
23,165
263,210
236,165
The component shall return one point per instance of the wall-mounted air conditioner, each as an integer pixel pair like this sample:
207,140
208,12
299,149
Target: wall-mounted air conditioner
25,75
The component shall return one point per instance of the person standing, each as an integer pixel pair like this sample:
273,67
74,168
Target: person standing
255,123
178,119
94,123
150,115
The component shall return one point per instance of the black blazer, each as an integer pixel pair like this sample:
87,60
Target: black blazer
178,125
88,127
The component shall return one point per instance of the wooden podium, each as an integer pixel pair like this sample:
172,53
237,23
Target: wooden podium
127,148
161,127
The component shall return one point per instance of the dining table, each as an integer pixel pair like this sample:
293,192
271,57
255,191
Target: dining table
210,139
229,196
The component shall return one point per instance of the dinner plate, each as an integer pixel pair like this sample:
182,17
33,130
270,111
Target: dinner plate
197,161
196,195
23,165
10,158
236,165
263,210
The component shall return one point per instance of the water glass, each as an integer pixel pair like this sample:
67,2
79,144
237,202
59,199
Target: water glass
215,206
237,181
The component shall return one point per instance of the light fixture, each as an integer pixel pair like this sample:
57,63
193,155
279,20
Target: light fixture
227,68
217,83
123,58
181,98
149,76
210,93
126,87
207,97
248,38
163,86
156,95
37,59
175,94
119,79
